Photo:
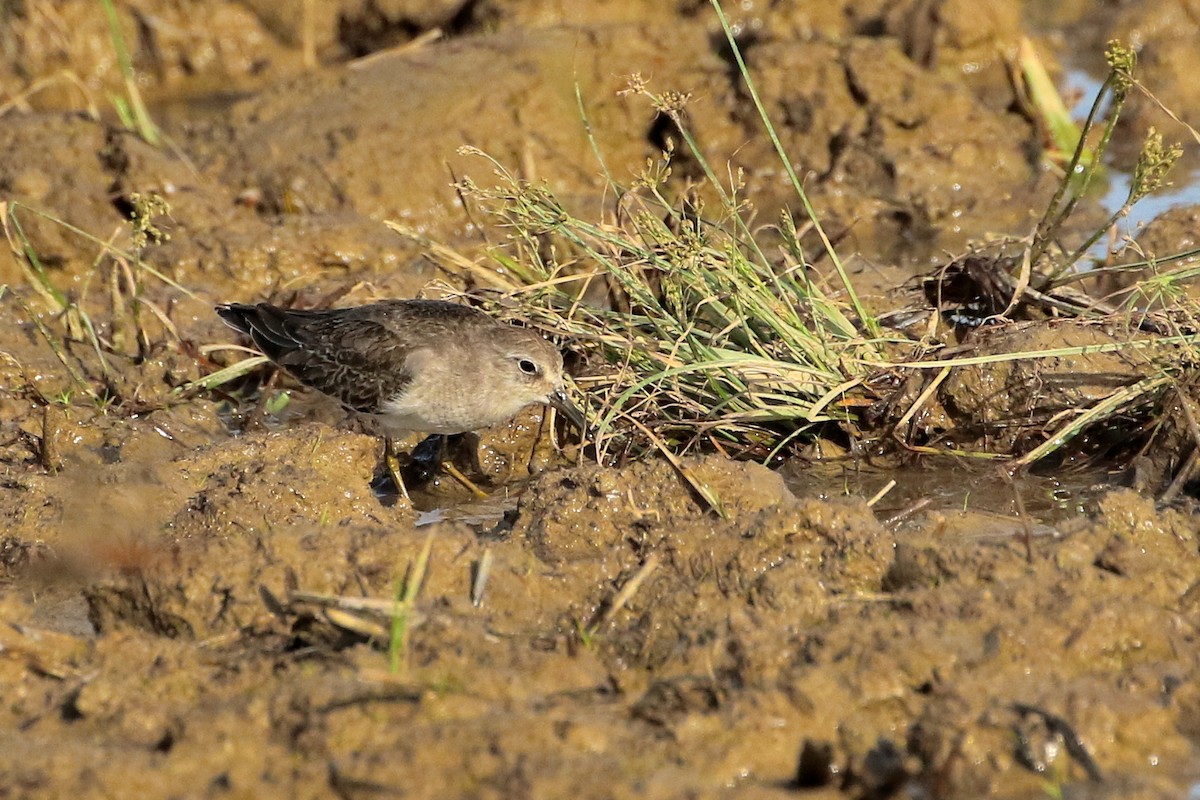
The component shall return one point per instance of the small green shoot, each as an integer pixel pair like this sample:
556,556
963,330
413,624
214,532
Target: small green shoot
277,403
1049,106
130,108
405,598
588,638
103,401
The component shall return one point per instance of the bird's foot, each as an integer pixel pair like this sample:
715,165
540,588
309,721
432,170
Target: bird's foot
431,456
466,482
391,463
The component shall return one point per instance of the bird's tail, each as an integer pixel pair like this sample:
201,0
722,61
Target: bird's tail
237,316
265,324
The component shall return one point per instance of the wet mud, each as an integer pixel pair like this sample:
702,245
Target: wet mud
205,593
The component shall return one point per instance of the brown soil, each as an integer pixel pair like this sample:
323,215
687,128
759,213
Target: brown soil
180,573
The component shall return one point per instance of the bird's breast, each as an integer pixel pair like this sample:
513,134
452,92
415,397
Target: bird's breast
446,412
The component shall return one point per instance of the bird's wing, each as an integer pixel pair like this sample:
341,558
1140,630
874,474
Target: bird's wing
351,356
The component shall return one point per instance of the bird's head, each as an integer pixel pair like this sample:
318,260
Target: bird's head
532,372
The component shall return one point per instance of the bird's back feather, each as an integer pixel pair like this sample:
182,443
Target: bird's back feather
353,355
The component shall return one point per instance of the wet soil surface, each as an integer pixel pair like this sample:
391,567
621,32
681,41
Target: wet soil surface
198,594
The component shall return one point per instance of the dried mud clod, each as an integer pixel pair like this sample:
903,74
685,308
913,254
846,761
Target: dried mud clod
785,622
291,500
1168,464
727,597
1007,401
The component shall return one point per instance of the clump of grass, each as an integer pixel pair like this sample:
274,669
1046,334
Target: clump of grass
707,337
697,337
1035,283
1042,268
121,273
704,337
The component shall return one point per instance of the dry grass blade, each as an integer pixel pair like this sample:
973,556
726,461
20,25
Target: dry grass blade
21,99
882,493
369,617
1054,352
922,398
1188,470
700,487
622,598
479,579
225,375
380,608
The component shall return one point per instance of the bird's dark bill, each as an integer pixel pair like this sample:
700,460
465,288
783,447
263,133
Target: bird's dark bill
569,410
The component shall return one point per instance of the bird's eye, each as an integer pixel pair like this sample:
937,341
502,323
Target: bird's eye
527,366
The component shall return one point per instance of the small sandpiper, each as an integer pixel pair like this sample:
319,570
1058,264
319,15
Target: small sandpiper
425,366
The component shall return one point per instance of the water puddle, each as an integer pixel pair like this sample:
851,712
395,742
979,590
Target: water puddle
943,484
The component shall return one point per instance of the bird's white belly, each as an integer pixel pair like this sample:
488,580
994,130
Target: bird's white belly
441,412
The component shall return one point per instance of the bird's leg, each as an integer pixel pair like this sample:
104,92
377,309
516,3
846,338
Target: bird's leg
431,456
469,442
427,457
255,418
467,483
391,463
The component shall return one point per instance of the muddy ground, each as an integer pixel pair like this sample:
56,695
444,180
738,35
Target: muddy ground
180,573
